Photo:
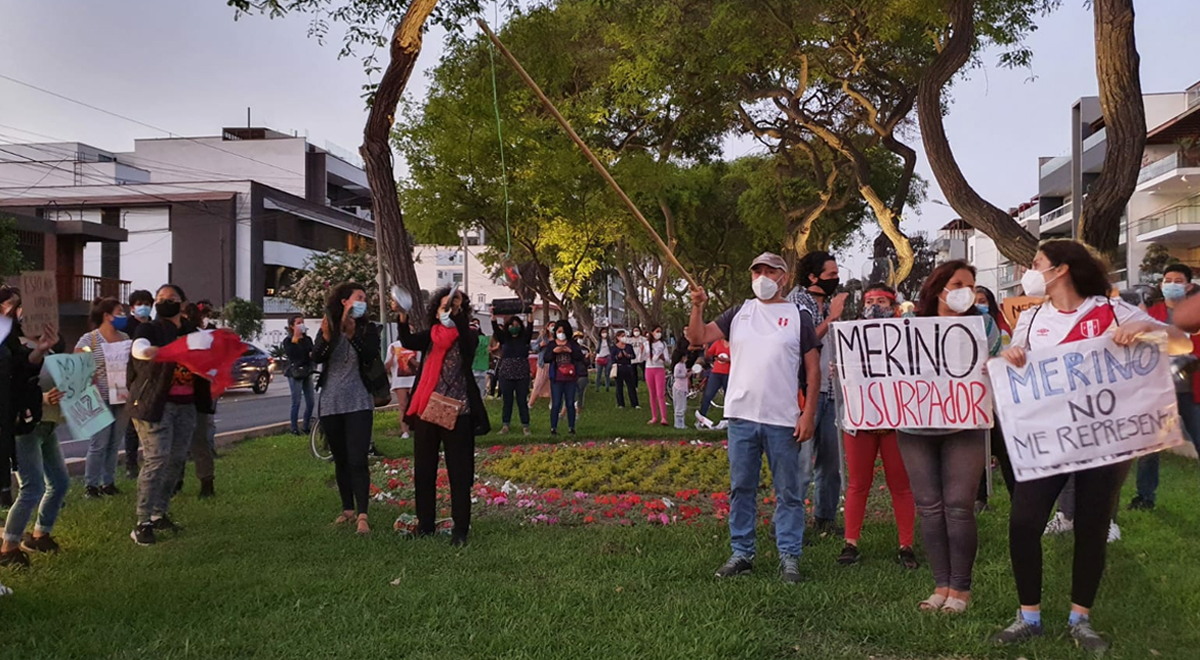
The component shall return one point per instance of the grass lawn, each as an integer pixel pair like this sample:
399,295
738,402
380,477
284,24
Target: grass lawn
261,573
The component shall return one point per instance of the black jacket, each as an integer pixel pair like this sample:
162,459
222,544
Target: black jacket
513,346
150,381
468,341
299,353
365,343
20,396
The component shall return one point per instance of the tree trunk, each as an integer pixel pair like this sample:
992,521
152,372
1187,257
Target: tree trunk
1120,85
395,246
584,317
1011,239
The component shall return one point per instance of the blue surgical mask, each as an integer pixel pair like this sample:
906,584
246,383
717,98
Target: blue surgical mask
983,309
119,322
1174,290
142,311
358,309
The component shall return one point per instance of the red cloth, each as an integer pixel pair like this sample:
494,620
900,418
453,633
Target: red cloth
441,340
214,364
716,348
861,450
1159,313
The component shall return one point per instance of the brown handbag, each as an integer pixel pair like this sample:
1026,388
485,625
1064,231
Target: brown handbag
442,410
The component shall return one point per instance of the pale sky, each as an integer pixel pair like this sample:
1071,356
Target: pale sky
187,67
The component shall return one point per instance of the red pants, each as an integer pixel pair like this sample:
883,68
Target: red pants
861,450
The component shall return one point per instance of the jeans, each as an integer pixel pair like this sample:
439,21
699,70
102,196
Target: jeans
1147,466
827,453
131,447
349,436
301,386
165,446
481,381
43,478
100,467
679,403
515,390
561,393
715,382
627,380
603,374
747,442
581,386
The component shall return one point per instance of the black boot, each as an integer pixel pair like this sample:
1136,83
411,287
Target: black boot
206,488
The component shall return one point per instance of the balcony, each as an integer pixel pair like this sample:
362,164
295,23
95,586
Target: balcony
86,288
1170,173
1008,275
1176,225
1057,222
277,305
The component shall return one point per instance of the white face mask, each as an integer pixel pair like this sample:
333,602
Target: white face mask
1034,282
561,336
444,317
960,300
764,287
658,335
301,328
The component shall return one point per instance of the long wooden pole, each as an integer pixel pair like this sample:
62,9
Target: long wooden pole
562,121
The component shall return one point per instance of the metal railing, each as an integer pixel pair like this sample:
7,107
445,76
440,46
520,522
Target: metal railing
86,288
277,305
1184,214
1057,213
1160,167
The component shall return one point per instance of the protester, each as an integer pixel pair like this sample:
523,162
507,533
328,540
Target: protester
862,448
164,398
775,343
345,344
202,450
541,381
513,369
564,357
479,365
41,470
1075,283
657,357
446,394
679,384
985,302
401,365
817,279
100,468
603,357
623,356
944,465
718,379
298,348
1176,287
140,305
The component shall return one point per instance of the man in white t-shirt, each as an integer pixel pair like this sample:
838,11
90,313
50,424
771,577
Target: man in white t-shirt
776,345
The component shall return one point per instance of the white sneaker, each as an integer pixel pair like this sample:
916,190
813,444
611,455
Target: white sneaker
1059,524
404,436
722,425
5,591
1114,532
703,422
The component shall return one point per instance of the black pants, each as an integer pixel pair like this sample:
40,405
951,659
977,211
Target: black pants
627,378
349,438
1098,490
1000,451
131,447
519,390
459,447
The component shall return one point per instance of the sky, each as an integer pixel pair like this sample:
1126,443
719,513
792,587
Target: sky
187,67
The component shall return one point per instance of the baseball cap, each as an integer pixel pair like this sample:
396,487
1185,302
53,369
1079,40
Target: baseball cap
769,259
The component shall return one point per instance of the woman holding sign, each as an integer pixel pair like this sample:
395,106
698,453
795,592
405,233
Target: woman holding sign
944,465
1078,307
100,470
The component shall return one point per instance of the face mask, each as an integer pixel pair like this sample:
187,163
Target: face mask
1034,282
119,322
357,309
561,337
167,309
142,311
1174,290
983,309
764,287
603,334
877,312
960,300
444,317
828,286
302,328
658,335
514,330
637,333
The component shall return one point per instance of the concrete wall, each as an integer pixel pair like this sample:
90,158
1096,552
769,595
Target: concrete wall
278,163
1161,108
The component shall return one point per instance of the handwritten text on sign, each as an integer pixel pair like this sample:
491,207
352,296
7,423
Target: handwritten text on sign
82,406
116,366
913,373
1085,404
39,299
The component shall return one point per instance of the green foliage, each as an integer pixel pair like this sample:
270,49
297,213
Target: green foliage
327,270
12,261
1155,262
244,317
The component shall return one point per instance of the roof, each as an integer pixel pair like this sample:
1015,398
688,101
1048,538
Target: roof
1186,125
117,200
958,224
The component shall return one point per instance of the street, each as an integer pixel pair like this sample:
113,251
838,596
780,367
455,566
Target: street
237,409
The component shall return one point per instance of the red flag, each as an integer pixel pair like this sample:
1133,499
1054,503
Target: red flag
208,353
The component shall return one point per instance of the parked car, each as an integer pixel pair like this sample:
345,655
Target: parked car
254,369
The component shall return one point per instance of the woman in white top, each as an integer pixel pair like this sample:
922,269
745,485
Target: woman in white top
401,364
1075,284
656,376
100,468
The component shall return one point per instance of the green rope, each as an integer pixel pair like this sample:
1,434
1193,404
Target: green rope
500,136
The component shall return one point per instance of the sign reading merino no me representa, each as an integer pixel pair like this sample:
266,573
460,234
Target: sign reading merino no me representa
912,373
1084,404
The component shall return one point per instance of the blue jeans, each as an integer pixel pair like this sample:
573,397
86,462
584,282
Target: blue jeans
301,386
42,474
715,382
747,442
100,467
165,446
560,393
603,374
827,450
1147,466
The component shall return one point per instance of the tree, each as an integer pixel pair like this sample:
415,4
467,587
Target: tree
12,261
244,317
323,272
1155,262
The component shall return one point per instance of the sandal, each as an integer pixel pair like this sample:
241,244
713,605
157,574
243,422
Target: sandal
933,603
344,518
955,606
363,527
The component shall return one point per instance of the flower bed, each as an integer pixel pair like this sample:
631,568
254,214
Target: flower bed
615,482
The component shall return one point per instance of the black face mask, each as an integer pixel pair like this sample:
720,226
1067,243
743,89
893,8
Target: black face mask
828,286
167,309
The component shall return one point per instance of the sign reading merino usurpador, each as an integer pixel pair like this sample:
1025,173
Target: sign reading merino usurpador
912,373
1084,404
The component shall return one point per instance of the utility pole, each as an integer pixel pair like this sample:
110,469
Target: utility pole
466,286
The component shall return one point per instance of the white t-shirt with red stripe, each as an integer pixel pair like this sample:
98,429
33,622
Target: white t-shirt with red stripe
1044,326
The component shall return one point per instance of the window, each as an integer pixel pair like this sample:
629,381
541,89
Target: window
481,298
